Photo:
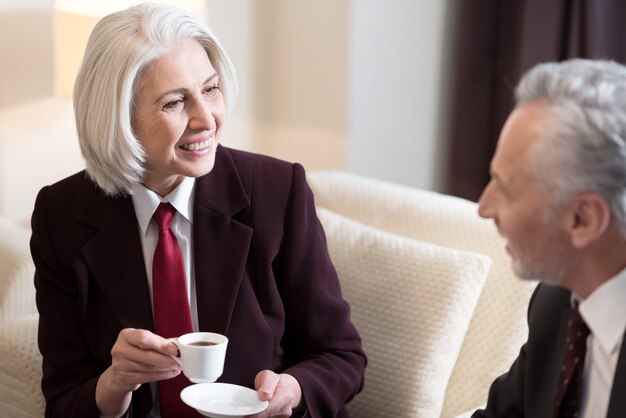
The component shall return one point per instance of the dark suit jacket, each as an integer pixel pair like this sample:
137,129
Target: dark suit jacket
263,278
529,388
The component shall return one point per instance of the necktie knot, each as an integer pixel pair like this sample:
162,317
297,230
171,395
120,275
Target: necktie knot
163,216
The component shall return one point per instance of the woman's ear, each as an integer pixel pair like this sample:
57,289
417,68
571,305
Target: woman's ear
590,217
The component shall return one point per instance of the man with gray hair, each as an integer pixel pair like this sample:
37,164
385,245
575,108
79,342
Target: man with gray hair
558,196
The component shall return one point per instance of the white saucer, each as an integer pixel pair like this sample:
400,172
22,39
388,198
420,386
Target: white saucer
222,400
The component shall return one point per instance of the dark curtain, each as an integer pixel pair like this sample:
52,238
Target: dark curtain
498,40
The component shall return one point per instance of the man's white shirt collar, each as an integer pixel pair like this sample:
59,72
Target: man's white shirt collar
604,312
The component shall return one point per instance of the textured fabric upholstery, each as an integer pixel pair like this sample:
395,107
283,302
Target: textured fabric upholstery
20,361
20,369
498,327
412,303
17,291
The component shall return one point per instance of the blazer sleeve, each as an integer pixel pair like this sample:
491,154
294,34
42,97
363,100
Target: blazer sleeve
69,373
331,363
507,392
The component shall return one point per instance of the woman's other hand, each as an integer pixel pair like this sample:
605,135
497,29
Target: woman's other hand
138,357
281,390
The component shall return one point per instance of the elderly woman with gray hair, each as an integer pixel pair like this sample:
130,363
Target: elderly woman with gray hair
150,100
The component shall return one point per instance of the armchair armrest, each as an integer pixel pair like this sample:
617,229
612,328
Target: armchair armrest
20,369
468,414
17,289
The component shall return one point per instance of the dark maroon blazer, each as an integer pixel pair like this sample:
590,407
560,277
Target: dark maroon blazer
263,278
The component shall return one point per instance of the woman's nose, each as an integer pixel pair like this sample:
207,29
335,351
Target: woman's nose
201,116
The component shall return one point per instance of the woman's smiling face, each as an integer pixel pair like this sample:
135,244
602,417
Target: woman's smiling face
177,116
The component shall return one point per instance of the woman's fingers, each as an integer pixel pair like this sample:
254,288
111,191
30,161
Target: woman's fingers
265,383
281,390
140,356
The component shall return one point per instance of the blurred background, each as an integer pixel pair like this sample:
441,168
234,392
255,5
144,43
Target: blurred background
410,91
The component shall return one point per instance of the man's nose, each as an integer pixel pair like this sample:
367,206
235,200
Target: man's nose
485,202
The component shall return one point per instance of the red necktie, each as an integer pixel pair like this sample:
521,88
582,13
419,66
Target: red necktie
172,317
571,379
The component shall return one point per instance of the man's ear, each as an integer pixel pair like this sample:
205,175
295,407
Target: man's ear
590,216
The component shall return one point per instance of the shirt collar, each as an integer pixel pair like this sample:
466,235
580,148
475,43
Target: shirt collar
146,201
604,312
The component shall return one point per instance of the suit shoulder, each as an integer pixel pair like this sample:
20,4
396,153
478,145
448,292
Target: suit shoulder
70,186
546,300
263,177
265,169
246,158
71,182
550,294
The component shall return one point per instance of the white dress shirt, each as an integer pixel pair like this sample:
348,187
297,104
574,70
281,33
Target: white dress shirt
146,202
604,312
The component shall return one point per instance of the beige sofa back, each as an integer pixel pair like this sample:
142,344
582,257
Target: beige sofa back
498,327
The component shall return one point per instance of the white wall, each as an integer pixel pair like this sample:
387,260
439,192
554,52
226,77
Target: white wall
26,48
291,58
353,84
400,61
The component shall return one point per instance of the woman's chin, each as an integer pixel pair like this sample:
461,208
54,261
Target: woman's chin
202,167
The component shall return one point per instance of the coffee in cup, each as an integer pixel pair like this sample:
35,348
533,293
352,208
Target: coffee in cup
202,343
202,355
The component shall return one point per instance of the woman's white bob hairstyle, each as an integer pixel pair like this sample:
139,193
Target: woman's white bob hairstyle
121,45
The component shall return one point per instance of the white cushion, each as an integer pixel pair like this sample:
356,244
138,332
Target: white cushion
411,302
498,327
20,368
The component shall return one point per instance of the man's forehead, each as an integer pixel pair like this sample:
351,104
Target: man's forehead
522,131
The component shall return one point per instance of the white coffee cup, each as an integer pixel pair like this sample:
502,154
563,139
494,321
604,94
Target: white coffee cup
201,355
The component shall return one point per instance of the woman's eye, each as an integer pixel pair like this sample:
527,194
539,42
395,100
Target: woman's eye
212,89
173,104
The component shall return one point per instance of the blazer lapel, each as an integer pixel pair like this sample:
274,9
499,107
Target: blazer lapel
617,402
221,246
221,243
114,257
546,379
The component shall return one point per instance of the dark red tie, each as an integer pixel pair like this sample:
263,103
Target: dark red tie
571,378
172,317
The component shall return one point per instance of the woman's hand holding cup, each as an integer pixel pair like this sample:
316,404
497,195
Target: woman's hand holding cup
138,356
